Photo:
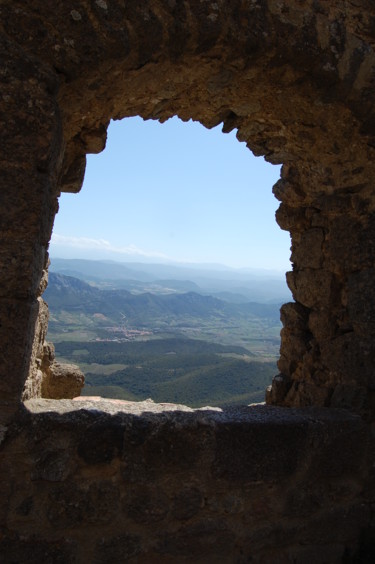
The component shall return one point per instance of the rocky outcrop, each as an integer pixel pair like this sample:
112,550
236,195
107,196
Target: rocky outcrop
48,378
62,381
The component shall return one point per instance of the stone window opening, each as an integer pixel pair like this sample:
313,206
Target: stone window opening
291,481
295,103
257,177
318,349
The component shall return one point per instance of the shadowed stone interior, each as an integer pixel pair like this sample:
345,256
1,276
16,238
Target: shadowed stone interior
296,79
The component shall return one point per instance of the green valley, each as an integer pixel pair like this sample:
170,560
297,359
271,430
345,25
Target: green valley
177,346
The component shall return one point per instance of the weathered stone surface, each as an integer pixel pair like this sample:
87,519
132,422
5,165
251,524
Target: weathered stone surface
312,288
187,503
40,355
297,81
308,252
281,384
101,443
62,381
204,539
256,483
361,301
53,465
116,549
144,505
72,505
349,397
307,393
35,550
19,323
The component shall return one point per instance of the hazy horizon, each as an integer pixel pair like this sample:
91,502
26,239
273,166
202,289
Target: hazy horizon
174,193
193,265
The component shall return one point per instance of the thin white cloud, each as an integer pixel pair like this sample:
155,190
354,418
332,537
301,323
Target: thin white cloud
103,245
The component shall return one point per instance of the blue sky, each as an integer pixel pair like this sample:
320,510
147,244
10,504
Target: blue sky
173,192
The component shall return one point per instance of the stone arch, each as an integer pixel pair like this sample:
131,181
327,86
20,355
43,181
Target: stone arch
296,81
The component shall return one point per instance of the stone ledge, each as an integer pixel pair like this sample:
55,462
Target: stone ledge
245,444
255,413
167,483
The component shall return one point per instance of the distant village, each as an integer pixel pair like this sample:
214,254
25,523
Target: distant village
125,334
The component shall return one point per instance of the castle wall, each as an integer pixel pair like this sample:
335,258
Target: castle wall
116,481
296,79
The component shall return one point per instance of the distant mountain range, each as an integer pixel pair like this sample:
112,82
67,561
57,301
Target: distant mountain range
231,285
74,295
167,338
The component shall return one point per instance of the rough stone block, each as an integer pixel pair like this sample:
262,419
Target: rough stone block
62,381
351,244
205,539
294,316
18,319
144,505
277,392
73,504
361,301
344,358
117,549
35,550
101,442
349,397
312,288
244,452
251,479
308,252
309,394
187,503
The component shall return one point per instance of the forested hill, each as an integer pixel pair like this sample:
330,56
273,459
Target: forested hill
181,347
73,295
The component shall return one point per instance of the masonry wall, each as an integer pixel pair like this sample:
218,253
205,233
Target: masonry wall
120,482
296,79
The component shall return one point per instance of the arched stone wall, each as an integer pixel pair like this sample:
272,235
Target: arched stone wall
156,483
297,81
